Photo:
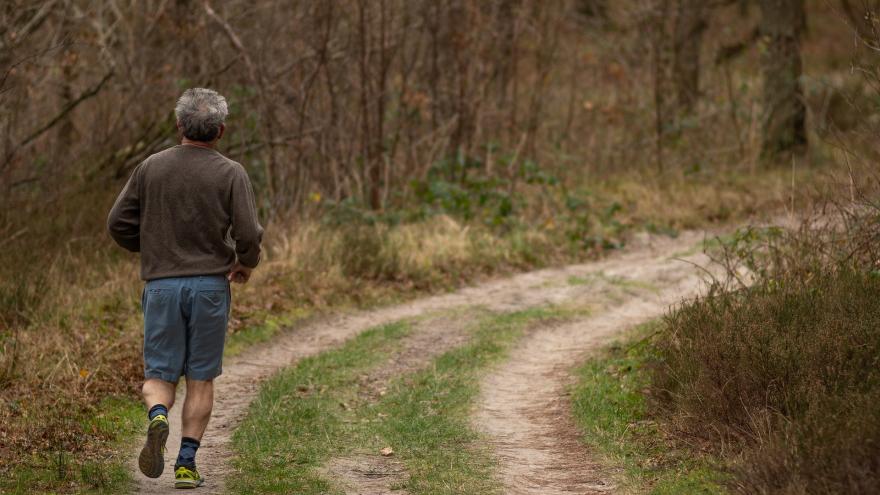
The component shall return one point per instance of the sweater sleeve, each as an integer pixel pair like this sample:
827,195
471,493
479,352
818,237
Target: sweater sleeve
246,230
124,220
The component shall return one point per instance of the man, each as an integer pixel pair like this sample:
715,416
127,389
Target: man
190,212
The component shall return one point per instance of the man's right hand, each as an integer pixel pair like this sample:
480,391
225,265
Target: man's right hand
239,274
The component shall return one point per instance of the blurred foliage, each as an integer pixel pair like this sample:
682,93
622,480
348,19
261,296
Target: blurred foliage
499,198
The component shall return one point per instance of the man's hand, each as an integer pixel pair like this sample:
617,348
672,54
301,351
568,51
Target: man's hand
239,274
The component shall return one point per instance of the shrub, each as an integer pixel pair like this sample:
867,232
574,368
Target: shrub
784,372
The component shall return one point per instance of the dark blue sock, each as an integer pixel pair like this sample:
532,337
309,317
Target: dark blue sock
157,410
187,455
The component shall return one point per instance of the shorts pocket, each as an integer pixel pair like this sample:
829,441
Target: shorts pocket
214,303
207,334
156,298
214,296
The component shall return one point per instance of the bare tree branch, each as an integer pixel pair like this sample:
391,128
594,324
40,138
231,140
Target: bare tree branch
89,93
32,25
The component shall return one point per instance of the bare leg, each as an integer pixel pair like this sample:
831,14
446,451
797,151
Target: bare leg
158,391
197,408
151,461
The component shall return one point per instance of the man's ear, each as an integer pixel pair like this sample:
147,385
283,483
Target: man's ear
222,130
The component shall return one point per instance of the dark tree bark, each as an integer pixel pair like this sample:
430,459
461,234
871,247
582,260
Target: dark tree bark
505,28
661,53
510,53
594,10
66,128
784,118
690,23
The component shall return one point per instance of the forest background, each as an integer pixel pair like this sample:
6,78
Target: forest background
396,147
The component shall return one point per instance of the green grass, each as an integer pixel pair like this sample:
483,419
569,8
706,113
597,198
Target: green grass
427,415
119,419
313,412
299,418
708,245
610,406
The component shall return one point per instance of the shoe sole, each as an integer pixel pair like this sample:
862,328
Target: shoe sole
188,484
151,461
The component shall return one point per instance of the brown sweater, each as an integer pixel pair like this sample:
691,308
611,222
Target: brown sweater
189,211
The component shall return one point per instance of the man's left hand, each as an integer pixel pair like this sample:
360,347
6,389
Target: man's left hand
239,274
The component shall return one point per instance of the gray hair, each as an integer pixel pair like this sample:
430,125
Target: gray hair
200,113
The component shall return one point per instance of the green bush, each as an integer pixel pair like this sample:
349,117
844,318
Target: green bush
463,187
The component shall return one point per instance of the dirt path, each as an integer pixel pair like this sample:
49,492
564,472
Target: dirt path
242,375
524,407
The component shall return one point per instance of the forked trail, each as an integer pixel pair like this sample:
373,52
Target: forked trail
522,410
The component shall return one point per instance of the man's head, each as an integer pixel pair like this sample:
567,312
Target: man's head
200,114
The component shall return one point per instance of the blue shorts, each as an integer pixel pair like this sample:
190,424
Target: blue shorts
185,321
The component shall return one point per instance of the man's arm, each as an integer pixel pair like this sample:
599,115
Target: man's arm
124,220
246,230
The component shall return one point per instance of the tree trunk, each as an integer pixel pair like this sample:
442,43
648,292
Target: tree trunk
782,23
66,128
690,23
593,10
661,51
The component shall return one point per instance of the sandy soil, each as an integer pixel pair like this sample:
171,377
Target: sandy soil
524,407
530,454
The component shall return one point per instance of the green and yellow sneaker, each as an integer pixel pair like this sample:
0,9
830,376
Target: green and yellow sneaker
152,460
185,477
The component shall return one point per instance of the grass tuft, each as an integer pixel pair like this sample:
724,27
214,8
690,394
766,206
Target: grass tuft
426,416
67,468
300,417
611,408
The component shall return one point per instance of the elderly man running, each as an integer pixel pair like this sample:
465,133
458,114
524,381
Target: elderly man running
190,212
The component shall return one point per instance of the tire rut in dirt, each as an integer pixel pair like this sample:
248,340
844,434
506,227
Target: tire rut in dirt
524,408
